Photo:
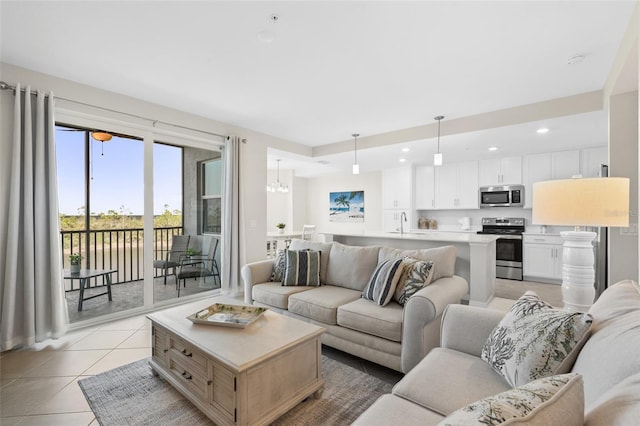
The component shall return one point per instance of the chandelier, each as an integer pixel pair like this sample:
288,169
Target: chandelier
278,186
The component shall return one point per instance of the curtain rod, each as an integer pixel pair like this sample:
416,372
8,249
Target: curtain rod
7,86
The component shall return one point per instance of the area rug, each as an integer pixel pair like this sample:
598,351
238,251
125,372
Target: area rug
132,395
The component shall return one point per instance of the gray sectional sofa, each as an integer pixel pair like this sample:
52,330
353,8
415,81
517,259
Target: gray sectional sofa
454,375
395,336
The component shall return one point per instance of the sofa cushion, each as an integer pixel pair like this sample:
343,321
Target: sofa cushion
534,340
302,267
416,274
444,258
351,266
323,248
368,317
446,380
556,400
620,405
391,410
321,303
612,352
383,282
274,294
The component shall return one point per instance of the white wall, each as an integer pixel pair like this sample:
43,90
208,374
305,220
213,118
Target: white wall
318,190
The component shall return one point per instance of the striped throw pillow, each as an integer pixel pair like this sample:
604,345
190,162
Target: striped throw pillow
383,282
302,267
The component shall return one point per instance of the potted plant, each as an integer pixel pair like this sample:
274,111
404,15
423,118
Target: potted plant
74,261
280,227
191,252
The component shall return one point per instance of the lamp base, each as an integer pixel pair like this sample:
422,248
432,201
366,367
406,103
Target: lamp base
578,274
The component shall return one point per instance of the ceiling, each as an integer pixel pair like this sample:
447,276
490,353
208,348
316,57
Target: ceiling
334,68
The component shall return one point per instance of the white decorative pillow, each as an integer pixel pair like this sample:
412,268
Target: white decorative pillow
383,282
534,340
556,400
416,274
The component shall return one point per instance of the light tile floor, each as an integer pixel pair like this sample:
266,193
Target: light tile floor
39,383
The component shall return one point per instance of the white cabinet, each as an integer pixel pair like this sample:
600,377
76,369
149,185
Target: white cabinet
565,164
456,185
425,188
542,258
500,171
391,220
548,166
396,188
592,159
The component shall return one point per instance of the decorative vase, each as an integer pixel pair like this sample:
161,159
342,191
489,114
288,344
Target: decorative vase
74,268
280,230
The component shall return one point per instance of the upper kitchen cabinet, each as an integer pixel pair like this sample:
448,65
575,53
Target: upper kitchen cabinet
592,159
548,166
456,185
425,188
500,171
397,188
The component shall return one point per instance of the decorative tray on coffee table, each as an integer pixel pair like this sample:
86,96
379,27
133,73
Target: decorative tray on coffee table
223,314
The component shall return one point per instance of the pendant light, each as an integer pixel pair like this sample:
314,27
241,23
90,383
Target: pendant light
437,157
278,186
356,166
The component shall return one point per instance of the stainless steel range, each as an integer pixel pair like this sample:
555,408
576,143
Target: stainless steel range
508,246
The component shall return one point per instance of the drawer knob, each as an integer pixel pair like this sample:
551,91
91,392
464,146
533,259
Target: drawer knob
209,382
184,351
165,351
186,375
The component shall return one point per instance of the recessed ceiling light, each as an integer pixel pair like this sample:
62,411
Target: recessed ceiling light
405,150
542,130
493,148
402,160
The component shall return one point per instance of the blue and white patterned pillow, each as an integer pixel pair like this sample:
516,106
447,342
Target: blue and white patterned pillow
416,274
302,268
383,282
556,400
534,340
278,267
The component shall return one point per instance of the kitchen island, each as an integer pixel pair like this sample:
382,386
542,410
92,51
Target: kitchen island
476,253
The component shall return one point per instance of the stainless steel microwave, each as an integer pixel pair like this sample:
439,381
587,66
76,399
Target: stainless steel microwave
502,196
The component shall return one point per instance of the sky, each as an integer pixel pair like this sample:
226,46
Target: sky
117,180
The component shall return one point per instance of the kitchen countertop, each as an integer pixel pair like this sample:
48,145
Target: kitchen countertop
425,235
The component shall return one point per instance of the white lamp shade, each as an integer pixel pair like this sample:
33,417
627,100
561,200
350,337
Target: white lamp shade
581,202
356,169
437,159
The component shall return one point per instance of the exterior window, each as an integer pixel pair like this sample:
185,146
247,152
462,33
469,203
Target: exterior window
212,196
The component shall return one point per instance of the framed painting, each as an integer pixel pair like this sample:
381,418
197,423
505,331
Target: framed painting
346,207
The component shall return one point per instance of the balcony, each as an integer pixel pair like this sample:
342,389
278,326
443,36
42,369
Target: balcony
123,250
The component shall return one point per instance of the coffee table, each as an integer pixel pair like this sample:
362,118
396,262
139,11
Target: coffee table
238,376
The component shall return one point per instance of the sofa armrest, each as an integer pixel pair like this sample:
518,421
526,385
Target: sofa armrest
466,328
255,273
421,317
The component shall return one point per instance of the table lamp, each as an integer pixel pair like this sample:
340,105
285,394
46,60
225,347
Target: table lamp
580,202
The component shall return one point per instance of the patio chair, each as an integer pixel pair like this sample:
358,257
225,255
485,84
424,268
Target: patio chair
200,266
179,244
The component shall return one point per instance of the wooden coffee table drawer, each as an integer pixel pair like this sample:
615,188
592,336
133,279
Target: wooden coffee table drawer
190,355
196,382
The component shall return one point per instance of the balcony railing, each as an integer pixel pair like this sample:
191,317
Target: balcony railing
121,249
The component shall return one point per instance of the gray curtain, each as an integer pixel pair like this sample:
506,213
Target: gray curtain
32,301
233,251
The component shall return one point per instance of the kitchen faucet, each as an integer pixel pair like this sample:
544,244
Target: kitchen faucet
402,215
